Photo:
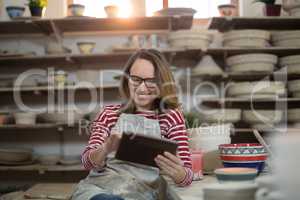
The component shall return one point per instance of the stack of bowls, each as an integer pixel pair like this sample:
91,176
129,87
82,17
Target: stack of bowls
191,39
255,62
292,63
286,38
249,155
262,119
294,88
294,115
292,7
246,38
256,89
221,115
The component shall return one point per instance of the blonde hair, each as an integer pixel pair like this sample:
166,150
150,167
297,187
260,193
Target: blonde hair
168,96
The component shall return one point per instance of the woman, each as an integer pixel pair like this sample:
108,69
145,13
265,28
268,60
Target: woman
149,89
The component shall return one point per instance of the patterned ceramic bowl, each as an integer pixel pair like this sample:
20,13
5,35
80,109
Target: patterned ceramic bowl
249,155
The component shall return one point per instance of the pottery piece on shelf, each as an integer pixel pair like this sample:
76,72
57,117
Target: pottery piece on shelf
294,86
292,63
70,160
246,38
3,119
256,88
221,115
295,12
15,155
190,39
175,11
15,11
262,116
296,94
86,47
25,118
227,10
294,115
289,5
256,62
65,116
233,174
89,76
207,66
76,9
111,11
286,38
54,48
50,159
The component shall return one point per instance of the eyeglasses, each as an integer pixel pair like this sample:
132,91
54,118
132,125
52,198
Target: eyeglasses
136,81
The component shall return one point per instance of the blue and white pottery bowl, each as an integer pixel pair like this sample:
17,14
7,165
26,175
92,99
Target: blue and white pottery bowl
76,10
15,11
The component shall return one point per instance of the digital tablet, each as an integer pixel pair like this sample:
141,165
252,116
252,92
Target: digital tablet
143,149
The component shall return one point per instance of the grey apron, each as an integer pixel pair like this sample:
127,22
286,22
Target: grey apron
129,180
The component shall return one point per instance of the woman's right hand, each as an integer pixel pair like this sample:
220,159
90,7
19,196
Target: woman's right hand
113,141
111,144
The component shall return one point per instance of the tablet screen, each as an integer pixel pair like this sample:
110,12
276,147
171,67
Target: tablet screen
143,149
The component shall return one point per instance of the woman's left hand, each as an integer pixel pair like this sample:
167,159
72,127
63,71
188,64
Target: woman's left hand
172,166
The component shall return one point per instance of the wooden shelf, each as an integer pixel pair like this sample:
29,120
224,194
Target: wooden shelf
73,60
224,100
36,126
265,23
239,76
89,24
51,88
230,51
43,168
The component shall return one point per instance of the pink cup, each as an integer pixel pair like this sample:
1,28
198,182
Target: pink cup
197,164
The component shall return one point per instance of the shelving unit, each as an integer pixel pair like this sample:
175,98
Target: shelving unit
146,25
71,60
51,88
266,23
71,25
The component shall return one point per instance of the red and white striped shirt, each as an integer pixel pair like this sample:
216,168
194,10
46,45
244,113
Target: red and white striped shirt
172,127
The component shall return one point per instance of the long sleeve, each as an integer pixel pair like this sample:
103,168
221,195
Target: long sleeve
177,131
99,131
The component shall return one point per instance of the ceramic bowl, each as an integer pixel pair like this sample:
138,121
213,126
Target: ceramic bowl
262,116
226,10
271,88
66,116
236,174
221,115
76,9
111,11
25,118
86,47
294,86
175,11
249,155
15,155
54,48
15,11
51,159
